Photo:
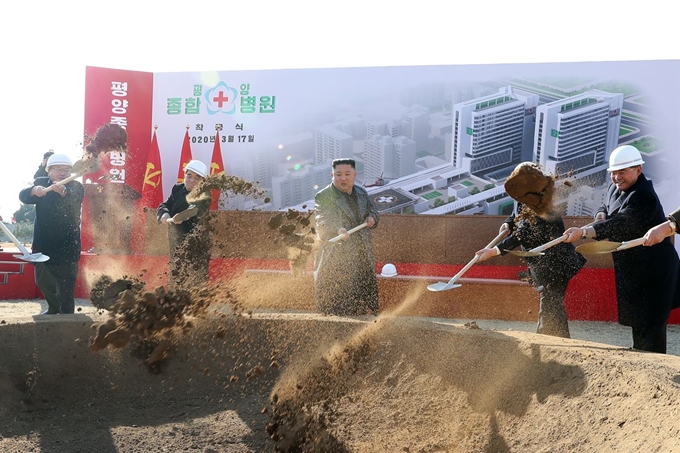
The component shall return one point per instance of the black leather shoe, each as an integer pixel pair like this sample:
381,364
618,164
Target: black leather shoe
47,312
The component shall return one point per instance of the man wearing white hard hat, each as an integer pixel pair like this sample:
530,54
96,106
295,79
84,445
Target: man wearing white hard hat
645,276
56,233
188,261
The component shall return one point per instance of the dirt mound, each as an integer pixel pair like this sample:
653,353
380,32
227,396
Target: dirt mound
315,383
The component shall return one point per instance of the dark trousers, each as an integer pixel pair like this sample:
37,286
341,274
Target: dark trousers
552,316
57,283
650,338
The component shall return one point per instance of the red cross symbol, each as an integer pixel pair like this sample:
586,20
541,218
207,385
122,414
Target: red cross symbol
221,98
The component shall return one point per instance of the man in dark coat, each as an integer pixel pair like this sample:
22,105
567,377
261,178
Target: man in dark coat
344,271
189,253
56,233
645,276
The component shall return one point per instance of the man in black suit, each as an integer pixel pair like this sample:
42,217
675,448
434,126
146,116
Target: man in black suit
645,276
344,271
56,233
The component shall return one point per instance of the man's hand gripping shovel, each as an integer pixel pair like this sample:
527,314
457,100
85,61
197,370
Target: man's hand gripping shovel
353,230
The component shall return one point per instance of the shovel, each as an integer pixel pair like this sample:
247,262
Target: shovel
30,257
86,165
537,251
188,213
353,230
443,286
601,247
79,168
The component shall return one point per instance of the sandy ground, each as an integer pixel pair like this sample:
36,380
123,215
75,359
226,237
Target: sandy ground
308,383
608,333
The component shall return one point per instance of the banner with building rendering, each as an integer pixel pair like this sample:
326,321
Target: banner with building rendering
427,139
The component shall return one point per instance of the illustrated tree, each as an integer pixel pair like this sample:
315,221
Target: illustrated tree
23,231
25,212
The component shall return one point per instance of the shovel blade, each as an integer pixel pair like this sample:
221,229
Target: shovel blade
442,286
33,257
86,165
598,247
186,214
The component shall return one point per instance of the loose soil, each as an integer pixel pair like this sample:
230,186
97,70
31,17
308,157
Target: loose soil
297,382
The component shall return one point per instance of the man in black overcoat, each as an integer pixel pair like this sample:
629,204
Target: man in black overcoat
645,276
344,271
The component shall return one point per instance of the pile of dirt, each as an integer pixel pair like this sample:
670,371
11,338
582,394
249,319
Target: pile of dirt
307,383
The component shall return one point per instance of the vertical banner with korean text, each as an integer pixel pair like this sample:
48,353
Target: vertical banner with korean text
124,98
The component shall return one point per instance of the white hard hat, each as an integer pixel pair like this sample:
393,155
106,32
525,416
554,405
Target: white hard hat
59,159
389,270
197,167
623,157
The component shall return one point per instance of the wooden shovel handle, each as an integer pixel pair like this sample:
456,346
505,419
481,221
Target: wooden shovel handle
62,182
491,244
631,244
547,245
557,240
353,230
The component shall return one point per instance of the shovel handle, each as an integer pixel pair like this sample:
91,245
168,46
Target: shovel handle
62,182
547,245
491,244
353,230
9,234
630,244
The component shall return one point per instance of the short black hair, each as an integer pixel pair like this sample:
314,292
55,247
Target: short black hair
344,161
48,154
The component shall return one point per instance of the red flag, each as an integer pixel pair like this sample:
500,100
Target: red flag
216,168
152,196
152,187
185,157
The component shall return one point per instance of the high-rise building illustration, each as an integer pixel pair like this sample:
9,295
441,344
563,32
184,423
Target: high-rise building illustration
404,160
300,185
493,133
576,135
415,125
264,166
331,143
391,128
379,157
389,157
